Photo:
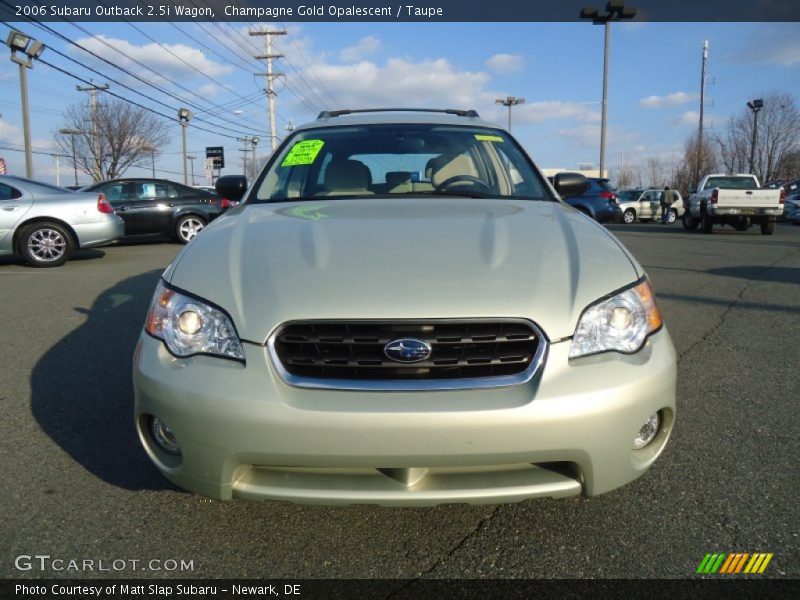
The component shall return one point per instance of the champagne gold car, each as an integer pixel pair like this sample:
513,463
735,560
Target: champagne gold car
403,311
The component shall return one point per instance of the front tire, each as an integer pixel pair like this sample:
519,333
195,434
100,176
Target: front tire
629,216
767,227
187,227
45,244
689,222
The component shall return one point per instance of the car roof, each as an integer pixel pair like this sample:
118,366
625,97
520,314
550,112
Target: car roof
398,116
137,179
14,180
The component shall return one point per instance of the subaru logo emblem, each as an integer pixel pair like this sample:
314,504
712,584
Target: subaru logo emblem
407,350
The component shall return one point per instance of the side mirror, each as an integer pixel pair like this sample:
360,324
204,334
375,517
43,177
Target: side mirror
569,185
231,187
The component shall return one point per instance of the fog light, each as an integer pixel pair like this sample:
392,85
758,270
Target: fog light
164,436
647,432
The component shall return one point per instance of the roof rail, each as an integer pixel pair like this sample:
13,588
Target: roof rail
329,114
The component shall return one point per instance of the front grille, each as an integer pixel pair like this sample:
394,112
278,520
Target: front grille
354,350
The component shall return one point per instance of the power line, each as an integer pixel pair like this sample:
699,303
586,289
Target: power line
127,72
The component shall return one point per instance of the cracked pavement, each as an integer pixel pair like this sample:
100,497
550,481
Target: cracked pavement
78,486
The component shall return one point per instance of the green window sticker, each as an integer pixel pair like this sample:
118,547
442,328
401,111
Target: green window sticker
488,138
303,153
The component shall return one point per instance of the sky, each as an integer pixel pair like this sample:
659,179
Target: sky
653,98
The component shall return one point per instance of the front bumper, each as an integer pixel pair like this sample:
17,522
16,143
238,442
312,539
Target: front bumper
245,433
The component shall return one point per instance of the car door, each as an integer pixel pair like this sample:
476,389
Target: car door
152,206
645,210
195,198
13,206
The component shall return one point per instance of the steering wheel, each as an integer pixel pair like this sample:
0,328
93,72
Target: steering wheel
464,178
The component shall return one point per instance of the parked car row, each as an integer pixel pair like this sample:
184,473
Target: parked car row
45,224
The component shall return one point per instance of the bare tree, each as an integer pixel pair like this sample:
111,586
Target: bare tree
777,143
694,165
626,176
111,138
656,172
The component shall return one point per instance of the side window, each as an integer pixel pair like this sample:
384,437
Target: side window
115,192
151,190
9,193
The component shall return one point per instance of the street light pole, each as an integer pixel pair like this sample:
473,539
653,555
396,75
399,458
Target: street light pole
755,106
30,48
254,142
604,108
184,116
615,10
510,101
191,158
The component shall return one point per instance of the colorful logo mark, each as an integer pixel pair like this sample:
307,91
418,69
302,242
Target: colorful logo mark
734,563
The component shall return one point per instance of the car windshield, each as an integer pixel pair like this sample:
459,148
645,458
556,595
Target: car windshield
730,183
379,161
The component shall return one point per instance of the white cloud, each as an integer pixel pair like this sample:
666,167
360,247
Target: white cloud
363,48
208,90
506,63
589,135
775,44
403,82
9,132
692,117
674,99
171,60
551,110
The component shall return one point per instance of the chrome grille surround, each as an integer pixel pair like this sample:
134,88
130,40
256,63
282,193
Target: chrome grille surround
421,383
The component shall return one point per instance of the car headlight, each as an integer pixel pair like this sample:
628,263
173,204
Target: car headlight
189,326
620,323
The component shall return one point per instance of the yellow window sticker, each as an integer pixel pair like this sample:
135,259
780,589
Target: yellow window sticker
488,138
303,153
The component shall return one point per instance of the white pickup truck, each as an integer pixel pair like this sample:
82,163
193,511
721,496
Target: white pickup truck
735,200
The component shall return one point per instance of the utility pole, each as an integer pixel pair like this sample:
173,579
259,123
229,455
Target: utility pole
700,139
58,170
72,133
271,77
93,89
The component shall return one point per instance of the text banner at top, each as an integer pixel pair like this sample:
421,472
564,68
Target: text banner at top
267,11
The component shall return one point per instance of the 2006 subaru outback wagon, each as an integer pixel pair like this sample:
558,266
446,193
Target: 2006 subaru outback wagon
403,312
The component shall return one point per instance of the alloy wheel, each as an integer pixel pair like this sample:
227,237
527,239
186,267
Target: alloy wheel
47,245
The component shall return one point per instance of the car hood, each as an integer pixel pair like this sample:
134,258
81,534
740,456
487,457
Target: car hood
403,259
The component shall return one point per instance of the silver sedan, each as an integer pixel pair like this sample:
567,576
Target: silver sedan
45,224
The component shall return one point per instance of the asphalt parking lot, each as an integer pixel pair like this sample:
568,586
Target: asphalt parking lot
76,484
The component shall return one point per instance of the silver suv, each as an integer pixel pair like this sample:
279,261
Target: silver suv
403,312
